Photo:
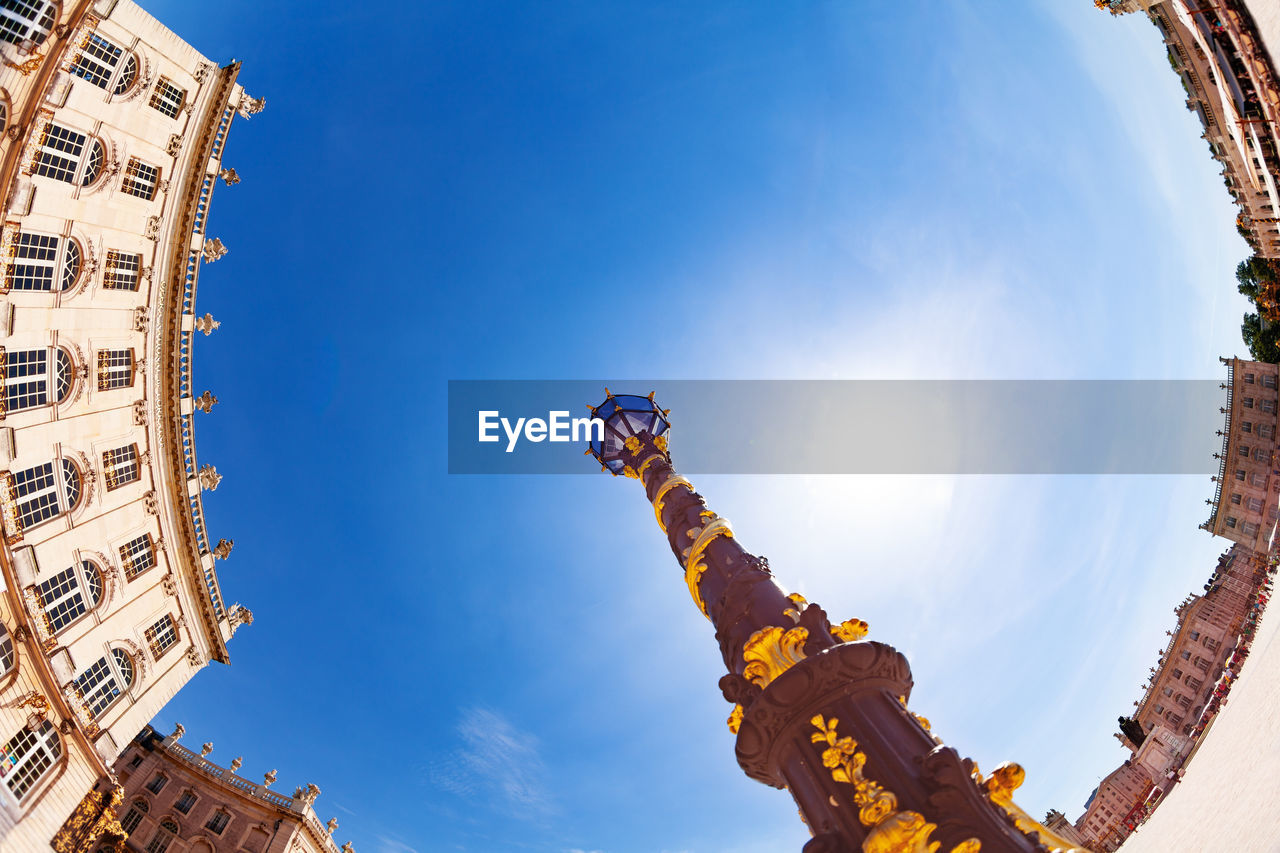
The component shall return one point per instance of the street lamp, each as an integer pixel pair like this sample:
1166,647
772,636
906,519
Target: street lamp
817,709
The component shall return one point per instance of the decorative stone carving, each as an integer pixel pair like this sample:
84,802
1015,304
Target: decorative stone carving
250,106
139,412
202,72
332,825
151,502
268,778
223,549
206,323
174,146
229,176
213,249
209,478
163,187
193,656
240,615
347,848
206,749
307,795
153,227
206,401
236,762
170,584
140,319
178,731
14,132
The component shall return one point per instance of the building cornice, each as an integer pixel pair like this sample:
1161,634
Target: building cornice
175,302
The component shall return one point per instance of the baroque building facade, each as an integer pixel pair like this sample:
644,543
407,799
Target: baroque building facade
1222,57
176,800
1246,500
112,137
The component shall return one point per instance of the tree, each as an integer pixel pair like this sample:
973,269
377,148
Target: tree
1263,343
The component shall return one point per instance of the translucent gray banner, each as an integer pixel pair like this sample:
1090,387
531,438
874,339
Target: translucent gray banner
855,427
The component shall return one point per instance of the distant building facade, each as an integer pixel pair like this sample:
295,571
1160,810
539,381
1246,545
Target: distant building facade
1102,824
1197,649
177,799
111,138
1246,500
1057,822
1219,51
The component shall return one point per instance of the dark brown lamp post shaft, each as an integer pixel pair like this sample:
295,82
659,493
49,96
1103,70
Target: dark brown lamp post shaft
817,709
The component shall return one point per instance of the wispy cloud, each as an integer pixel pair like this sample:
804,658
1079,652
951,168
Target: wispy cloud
391,845
498,761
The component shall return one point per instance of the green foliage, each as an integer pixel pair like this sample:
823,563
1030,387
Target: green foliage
1263,344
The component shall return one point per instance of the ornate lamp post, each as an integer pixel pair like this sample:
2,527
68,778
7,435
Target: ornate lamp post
817,709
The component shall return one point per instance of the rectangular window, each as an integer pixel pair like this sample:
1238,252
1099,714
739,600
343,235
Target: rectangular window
1186,655
120,272
1248,402
1249,529
26,379
1268,381
185,802
34,262
97,61
141,179
120,466
1268,406
1259,480
157,784
1246,427
60,151
1261,454
1239,473
1231,522
1243,450
29,754
1255,504
1248,378
161,636
218,822
1267,431
1195,635
115,369
135,761
1235,499
168,98
137,555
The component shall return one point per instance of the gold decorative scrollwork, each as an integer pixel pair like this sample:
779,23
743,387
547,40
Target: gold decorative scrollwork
1000,785
632,444
671,482
772,651
850,630
735,719
892,831
694,567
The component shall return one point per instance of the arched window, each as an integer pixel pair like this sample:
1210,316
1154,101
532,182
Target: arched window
41,261
128,74
98,62
133,817
28,755
7,654
70,594
104,680
44,492
63,154
93,163
27,380
26,19
165,834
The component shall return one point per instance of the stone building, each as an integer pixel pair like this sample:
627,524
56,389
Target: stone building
1102,826
1246,499
1220,54
177,800
112,138
1197,648
1057,822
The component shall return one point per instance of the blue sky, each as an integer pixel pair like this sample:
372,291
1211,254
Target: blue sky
805,190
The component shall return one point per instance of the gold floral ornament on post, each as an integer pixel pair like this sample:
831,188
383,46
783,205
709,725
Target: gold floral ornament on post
892,831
